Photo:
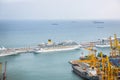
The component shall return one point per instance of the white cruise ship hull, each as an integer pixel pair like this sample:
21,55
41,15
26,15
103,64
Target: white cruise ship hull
102,46
58,49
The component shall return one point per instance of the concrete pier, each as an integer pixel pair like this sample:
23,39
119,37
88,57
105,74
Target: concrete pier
13,51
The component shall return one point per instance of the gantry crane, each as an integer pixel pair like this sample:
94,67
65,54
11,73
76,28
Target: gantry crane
115,47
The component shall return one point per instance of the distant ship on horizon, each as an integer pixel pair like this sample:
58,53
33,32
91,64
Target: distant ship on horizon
98,22
55,24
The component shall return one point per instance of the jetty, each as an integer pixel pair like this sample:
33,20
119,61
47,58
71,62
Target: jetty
36,49
14,51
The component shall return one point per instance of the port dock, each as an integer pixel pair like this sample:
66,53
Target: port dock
101,66
14,51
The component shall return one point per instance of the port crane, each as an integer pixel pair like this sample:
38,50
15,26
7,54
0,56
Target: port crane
108,67
111,65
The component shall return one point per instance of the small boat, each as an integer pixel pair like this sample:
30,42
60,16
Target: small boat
55,24
100,27
62,46
98,22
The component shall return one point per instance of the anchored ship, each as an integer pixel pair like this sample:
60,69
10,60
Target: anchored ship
98,22
62,46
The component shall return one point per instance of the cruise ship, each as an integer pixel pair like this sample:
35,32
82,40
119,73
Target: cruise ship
104,43
62,46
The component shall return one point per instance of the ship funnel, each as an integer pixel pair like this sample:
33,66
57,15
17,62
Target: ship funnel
50,41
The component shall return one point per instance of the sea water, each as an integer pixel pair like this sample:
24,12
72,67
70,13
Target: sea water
53,65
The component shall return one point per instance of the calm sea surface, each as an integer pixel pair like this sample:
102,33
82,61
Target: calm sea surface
54,65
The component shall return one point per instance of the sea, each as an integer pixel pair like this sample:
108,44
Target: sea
50,65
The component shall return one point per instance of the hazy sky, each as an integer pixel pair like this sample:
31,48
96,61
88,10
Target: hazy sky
59,9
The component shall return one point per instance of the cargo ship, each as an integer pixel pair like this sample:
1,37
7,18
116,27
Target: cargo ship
84,69
62,46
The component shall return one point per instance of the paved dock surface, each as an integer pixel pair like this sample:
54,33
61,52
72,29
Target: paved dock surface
13,51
